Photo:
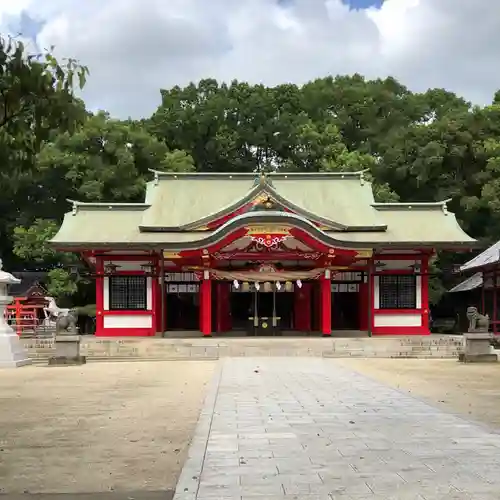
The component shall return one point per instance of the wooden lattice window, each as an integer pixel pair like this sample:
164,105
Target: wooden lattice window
127,292
398,291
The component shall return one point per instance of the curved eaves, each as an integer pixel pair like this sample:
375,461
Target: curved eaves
253,218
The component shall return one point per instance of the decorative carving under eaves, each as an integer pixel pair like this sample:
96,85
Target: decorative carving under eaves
310,256
237,254
224,255
268,242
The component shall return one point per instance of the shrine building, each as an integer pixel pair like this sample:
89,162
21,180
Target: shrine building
283,253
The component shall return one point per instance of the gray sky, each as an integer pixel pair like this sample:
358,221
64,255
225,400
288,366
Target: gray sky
135,47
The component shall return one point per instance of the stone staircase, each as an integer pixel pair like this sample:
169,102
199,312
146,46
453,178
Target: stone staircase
130,349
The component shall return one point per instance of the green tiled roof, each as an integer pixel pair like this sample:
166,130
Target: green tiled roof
178,201
420,224
102,228
178,205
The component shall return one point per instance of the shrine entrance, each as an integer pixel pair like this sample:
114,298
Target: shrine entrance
345,309
263,311
181,299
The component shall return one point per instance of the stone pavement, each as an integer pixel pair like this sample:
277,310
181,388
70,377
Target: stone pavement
308,429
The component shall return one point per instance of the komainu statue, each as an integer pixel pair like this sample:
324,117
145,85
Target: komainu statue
478,323
66,324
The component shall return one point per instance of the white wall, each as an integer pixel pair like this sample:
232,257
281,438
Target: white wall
128,321
397,320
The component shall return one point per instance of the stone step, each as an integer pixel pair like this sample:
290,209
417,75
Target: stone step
214,348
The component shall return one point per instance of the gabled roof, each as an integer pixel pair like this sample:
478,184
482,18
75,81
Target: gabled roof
471,283
186,201
490,256
337,207
29,280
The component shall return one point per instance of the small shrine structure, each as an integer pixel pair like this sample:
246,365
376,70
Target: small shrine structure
485,279
259,254
26,313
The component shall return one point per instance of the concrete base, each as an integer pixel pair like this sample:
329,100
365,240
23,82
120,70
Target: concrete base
67,351
477,349
67,361
478,358
12,352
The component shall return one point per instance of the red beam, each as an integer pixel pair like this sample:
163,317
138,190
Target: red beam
265,256
131,258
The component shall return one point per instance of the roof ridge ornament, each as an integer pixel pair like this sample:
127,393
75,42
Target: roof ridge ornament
445,206
266,203
262,180
74,206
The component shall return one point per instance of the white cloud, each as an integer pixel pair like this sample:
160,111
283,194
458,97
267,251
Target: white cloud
133,48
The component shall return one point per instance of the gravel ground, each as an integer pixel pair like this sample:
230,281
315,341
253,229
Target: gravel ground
102,427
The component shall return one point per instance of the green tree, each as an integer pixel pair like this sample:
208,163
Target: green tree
36,101
177,161
31,245
101,160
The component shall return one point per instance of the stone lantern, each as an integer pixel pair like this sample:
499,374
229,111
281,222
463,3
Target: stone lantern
12,352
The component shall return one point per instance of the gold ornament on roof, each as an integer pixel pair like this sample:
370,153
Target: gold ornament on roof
262,178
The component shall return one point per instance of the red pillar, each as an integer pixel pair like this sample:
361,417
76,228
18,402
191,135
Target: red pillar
18,307
424,285
206,305
326,304
155,303
99,297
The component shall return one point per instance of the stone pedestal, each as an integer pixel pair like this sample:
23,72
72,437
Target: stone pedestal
477,349
12,352
67,351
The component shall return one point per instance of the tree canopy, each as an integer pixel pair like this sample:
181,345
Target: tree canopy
428,146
